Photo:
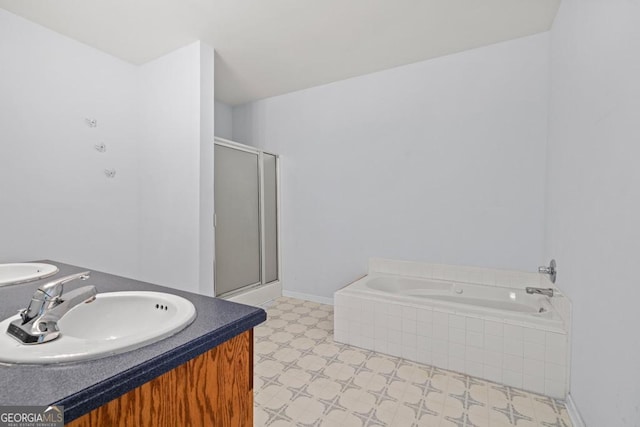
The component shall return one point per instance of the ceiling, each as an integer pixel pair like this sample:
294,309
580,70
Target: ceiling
270,47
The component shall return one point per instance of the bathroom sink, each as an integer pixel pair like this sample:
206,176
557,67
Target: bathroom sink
116,322
11,274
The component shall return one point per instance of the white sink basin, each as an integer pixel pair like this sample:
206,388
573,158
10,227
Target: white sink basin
114,323
11,274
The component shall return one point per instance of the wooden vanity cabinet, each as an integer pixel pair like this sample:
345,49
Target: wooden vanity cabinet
213,389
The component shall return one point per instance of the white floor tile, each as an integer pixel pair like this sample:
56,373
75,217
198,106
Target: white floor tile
303,377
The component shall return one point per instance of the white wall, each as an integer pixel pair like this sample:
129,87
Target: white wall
173,115
440,161
153,221
224,120
55,201
593,202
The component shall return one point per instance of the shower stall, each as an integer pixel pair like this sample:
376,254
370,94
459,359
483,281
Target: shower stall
246,221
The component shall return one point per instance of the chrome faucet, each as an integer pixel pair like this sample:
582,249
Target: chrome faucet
38,322
540,291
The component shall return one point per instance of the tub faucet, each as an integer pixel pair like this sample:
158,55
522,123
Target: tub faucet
540,291
550,270
38,322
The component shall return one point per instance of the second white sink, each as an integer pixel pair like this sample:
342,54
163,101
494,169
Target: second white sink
11,274
114,323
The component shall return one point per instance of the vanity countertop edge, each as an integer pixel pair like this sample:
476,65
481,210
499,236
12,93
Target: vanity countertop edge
84,386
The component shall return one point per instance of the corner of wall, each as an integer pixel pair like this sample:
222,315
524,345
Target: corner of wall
207,132
171,123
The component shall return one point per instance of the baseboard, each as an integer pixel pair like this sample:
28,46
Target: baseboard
308,297
572,410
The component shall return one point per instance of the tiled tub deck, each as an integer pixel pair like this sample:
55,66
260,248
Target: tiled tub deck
515,353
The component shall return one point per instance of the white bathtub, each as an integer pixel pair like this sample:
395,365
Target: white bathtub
496,301
495,332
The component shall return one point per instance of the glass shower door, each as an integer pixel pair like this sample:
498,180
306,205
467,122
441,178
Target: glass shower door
237,204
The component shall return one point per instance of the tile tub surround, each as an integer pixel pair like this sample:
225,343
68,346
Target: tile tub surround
303,377
84,386
518,354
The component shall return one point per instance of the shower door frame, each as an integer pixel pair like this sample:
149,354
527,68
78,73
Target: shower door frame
253,286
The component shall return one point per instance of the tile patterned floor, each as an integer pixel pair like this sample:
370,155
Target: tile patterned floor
304,378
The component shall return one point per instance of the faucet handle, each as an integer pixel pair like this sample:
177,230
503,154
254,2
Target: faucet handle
55,288
550,270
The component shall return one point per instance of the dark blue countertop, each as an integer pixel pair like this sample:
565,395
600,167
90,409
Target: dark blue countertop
84,386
